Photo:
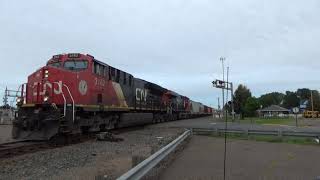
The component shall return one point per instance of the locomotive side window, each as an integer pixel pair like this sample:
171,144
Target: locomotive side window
99,69
76,65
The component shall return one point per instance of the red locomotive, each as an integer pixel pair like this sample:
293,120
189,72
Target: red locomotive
76,94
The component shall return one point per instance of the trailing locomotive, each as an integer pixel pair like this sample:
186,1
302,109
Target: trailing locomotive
76,94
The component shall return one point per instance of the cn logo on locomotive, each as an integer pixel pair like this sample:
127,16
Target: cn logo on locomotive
141,94
48,87
83,87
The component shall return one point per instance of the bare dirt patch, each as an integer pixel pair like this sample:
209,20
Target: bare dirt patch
5,133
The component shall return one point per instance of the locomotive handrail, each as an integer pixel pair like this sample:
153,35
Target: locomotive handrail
64,99
22,92
72,101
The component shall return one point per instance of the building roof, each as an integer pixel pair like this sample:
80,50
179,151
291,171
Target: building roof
274,108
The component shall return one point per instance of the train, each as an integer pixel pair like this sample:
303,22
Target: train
77,94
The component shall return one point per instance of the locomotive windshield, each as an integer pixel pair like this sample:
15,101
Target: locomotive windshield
55,64
76,65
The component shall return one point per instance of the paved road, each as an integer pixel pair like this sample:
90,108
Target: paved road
5,133
209,122
203,159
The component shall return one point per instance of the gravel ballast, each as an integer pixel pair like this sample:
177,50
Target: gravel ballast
91,159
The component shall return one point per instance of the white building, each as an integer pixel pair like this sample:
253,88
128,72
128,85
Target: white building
6,116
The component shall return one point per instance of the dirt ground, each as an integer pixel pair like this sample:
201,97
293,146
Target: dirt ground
91,159
5,133
203,159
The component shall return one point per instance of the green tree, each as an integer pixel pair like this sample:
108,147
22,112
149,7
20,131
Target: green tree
291,100
251,106
274,98
304,93
241,96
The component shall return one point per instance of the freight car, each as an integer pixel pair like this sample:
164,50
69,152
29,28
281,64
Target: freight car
76,94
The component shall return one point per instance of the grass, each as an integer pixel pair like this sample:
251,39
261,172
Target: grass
264,121
269,138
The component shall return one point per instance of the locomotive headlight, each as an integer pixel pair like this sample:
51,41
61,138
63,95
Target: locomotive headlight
46,99
46,73
18,100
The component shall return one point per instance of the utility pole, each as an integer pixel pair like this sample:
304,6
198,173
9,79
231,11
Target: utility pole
232,103
312,107
219,107
222,59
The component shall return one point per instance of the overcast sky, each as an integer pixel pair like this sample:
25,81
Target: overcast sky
270,45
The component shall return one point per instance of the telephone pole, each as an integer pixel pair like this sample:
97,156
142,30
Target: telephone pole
312,107
222,59
219,109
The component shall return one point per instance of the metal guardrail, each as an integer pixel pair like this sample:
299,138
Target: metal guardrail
146,166
259,132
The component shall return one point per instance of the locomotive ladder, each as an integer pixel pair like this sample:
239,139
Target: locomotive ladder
63,122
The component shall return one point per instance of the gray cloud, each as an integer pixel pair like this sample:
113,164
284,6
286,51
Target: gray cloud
271,45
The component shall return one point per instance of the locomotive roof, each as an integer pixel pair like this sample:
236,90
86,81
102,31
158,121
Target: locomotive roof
102,63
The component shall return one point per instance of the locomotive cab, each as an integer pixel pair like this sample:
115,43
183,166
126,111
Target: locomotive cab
48,105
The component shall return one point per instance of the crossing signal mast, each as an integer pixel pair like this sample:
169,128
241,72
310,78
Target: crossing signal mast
220,84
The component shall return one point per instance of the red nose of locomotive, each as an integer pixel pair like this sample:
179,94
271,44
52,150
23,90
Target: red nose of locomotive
44,86
58,81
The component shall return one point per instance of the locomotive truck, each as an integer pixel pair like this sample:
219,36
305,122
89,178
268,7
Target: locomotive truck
76,94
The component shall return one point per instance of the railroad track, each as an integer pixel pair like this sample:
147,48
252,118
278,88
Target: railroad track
17,148
11,149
